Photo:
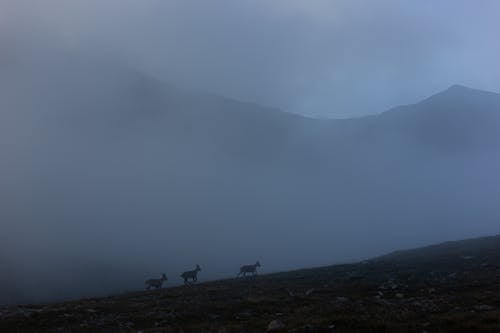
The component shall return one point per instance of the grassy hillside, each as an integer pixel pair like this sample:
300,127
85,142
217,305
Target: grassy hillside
449,287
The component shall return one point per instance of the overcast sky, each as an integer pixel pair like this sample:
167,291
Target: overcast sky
320,58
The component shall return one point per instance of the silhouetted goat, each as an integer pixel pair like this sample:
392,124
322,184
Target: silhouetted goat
156,283
193,275
248,269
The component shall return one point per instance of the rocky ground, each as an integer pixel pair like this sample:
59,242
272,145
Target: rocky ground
451,287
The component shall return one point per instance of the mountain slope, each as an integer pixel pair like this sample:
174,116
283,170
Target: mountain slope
456,120
409,291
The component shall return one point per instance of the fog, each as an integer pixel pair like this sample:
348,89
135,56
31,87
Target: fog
324,58
140,138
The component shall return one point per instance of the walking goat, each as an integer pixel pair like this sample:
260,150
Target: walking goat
193,275
248,269
156,283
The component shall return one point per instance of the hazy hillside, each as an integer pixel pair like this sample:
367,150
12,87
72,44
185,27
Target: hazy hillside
110,176
447,287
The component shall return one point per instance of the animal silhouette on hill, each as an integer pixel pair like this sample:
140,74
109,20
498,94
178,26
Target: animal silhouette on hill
155,283
193,275
248,269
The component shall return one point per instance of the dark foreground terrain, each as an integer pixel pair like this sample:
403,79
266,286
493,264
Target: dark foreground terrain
450,287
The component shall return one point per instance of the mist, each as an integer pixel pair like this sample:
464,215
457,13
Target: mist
145,138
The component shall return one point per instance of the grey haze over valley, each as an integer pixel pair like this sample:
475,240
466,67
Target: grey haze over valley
115,168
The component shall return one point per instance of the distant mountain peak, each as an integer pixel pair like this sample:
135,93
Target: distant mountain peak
456,99
458,89
461,94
